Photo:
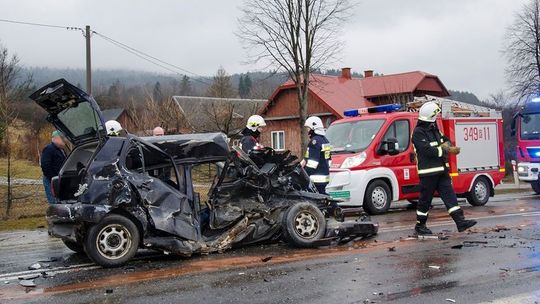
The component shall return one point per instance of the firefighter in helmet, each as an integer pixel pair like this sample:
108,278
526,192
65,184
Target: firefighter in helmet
250,139
113,128
432,150
317,158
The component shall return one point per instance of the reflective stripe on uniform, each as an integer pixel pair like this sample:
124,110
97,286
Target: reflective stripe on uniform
453,209
312,164
440,151
320,178
433,143
421,213
431,170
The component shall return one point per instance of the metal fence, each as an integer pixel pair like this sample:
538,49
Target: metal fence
27,199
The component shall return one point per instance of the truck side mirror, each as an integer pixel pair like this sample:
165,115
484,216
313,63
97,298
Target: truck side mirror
389,146
513,125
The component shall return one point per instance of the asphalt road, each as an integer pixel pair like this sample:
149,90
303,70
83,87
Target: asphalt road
496,262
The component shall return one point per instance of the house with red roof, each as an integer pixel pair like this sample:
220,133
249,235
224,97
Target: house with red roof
330,96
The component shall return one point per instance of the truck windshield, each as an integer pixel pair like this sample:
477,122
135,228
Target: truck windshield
353,136
530,126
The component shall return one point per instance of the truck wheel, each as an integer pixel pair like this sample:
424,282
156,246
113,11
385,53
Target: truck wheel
377,198
536,186
74,246
303,225
113,241
479,194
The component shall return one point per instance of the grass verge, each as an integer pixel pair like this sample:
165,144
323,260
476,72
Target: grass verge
30,223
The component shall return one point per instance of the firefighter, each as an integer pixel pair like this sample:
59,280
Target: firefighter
250,139
113,128
432,150
317,158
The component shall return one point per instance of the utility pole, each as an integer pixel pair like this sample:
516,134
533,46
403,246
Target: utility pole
88,62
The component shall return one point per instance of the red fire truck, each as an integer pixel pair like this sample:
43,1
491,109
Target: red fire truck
374,163
526,126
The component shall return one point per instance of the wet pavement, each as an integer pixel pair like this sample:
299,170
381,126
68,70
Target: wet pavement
498,261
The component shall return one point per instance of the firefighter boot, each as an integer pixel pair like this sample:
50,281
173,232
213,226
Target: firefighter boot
420,228
461,223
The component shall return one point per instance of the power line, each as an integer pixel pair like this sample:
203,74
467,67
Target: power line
150,58
147,57
41,24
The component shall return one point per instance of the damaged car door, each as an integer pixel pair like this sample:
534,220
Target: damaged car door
157,183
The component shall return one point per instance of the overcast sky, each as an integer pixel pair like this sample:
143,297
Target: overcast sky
458,40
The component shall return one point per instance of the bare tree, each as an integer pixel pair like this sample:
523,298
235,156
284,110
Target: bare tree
295,36
11,90
222,86
522,50
153,113
228,116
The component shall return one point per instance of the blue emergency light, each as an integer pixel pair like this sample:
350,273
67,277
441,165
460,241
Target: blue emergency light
377,109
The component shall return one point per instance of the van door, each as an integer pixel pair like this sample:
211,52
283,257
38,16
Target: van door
403,164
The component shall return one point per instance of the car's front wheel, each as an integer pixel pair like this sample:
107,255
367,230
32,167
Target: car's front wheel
113,241
303,225
536,186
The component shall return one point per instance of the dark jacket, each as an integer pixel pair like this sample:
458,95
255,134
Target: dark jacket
250,140
430,156
318,159
52,159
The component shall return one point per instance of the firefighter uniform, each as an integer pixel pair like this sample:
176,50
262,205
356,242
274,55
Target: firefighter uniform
317,160
432,160
249,141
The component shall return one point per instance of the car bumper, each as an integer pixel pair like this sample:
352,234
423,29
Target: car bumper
65,219
348,186
528,172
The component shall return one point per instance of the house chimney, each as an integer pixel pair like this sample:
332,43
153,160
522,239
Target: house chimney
368,73
346,73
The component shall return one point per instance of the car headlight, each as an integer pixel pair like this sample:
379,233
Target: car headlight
522,169
354,161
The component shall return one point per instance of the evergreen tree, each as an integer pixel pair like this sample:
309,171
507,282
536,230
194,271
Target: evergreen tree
241,86
185,87
247,86
157,94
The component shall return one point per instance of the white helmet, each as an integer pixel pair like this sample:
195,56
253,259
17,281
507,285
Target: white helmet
315,124
255,121
113,127
428,112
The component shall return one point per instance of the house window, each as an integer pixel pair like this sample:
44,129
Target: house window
278,140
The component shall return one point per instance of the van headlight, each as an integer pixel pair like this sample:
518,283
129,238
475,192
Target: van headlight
354,161
522,169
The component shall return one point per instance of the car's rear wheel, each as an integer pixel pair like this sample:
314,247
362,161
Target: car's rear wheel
536,186
113,241
377,198
303,225
480,191
74,246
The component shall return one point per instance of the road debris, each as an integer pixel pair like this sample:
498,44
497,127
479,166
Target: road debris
109,291
393,248
241,273
29,277
49,260
27,283
459,246
434,267
451,300
266,259
35,266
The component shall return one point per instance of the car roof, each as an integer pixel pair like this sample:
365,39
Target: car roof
196,147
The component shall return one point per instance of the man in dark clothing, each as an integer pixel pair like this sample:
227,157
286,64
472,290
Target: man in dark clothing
250,139
317,158
52,158
432,150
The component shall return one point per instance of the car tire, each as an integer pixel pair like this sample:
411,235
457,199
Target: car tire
113,241
303,225
377,198
536,186
74,246
480,192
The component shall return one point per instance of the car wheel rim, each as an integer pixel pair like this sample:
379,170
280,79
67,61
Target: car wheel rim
379,197
480,191
306,225
113,241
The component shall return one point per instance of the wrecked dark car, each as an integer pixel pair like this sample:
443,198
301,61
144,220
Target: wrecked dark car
118,194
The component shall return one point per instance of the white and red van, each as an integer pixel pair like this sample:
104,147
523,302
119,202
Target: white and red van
374,163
